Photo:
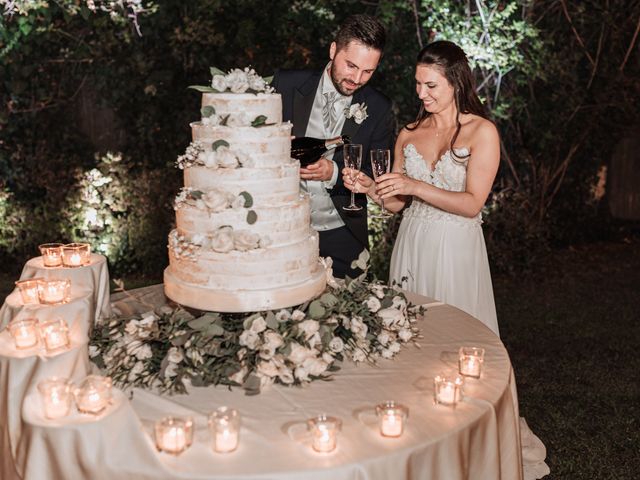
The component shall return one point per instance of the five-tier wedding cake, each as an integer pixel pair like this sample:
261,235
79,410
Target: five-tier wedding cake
243,240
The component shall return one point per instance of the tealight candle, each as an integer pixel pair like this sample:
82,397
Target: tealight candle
24,332
29,290
51,254
324,431
174,435
54,290
55,335
94,394
56,397
224,425
392,417
470,360
448,389
76,254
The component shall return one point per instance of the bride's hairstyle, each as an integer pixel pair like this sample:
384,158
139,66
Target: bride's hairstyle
452,62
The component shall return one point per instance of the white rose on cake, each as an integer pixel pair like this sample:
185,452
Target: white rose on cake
237,81
222,240
216,200
212,120
219,82
226,158
239,120
245,240
257,83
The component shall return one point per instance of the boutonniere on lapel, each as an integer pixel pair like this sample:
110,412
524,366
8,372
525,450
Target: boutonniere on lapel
357,111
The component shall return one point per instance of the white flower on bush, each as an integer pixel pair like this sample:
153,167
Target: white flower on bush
358,327
405,334
237,81
373,304
244,240
249,339
175,355
378,290
226,158
336,344
219,82
308,328
216,200
222,240
258,325
297,315
238,377
390,316
283,315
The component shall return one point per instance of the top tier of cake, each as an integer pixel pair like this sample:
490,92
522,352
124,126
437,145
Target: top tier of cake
249,105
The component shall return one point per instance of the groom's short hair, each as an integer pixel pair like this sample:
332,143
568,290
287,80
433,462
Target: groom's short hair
364,29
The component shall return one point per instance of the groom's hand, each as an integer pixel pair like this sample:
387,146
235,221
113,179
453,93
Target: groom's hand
322,170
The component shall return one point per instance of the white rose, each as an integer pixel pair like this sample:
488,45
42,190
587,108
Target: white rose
327,357
238,202
315,366
273,339
297,315
144,352
239,120
148,319
358,327
258,325
405,334
314,340
283,316
399,303
238,377
358,356
390,316
212,120
394,347
208,159
222,240
226,158
175,355
215,200
301,374
132,327
237,81
384,338
358,112
373,304
378,290
387,353
257,83
249,339
219,82
285,375
267,352
171,370
336,344
245,160
245,240
308,327
299,353
268,368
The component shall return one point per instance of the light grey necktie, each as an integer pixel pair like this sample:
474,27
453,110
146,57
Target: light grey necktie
329,116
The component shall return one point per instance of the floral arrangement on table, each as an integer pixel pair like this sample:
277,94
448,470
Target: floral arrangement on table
171,348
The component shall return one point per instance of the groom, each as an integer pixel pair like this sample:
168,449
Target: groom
331,102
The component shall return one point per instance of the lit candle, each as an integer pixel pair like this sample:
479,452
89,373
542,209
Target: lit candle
448,390
76,254
224,425
24,332
324,431
174,435
56,397
470,361
29,290
94,394
51,254
55,334
392,417
54,290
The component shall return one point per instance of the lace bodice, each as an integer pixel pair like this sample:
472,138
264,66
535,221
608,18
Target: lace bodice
449,174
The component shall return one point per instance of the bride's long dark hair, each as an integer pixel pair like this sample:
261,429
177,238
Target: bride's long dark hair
452,62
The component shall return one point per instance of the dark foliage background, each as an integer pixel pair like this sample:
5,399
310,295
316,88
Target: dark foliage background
75,85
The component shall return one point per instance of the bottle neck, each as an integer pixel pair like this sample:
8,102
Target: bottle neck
332,143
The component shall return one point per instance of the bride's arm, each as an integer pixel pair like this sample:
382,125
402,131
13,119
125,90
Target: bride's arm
481,171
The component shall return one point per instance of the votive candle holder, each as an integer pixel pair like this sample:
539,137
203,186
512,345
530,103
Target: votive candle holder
448,389
324,432
55,335
470,360
51,254
93,394
174,434
224,425
24,333
76,254
56,397
52,291
29,290
391,417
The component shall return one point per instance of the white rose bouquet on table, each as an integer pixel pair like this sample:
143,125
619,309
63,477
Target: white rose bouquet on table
171,348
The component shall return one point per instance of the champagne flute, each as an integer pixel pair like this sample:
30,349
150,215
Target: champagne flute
380,164
353,161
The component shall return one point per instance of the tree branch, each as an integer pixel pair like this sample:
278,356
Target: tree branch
414,4
631,45
595,66
575,32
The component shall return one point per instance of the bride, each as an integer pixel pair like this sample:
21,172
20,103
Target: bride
444,167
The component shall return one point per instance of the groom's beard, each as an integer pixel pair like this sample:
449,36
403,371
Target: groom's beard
338,83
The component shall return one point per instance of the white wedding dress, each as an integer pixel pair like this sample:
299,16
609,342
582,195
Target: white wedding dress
440,254
444,256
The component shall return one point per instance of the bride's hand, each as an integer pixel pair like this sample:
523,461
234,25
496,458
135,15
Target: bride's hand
392,184
361,182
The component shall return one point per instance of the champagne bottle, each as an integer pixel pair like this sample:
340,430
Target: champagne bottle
308,150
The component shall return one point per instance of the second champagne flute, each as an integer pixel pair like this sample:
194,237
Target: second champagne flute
380,164
353,161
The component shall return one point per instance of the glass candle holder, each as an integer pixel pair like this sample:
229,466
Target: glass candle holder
55,335
224,425
51,254
52,291
24,332
93,394
174,434
470,360
56,397
76,254
392,417
324,431
29,290
448,389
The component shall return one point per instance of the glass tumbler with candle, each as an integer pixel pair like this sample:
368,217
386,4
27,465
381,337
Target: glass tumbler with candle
392,417
56,397
24,332
470,360
55,335
52,291
174,434
224,425
51,254
448,389
76,254
93,394
29,290
324,432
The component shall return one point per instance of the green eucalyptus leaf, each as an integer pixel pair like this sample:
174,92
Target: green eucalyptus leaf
202,88
316,310
207,111
196,194
252,217
328,299
214,330
219,143
248,199
216,71
268,79
251,385
271,321
259,120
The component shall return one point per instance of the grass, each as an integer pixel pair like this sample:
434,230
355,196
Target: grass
572,330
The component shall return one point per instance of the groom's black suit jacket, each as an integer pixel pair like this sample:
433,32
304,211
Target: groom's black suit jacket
298,90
